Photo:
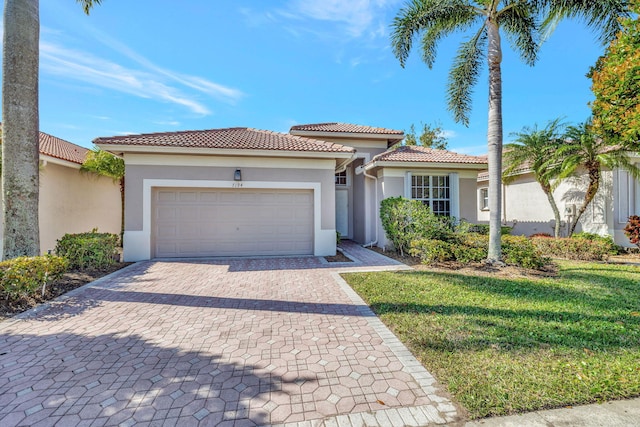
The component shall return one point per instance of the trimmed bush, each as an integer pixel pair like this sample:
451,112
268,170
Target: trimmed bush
520,251
22,276
88,250
584,247
407,220
632,230
431,250
484,229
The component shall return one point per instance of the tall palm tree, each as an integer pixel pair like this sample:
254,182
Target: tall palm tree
584,148
20,123
533,150
519,20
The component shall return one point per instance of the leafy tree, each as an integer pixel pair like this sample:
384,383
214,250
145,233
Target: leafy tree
533,150
431,136
583,147
616,86
519,20
106,164
20,123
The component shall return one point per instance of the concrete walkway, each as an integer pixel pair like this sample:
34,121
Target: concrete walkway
215,342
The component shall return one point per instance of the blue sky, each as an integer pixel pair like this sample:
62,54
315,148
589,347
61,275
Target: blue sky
163,65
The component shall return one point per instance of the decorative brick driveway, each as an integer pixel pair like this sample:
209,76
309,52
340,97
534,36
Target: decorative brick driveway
214,342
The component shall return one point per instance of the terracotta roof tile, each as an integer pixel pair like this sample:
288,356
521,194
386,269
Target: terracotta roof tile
345,127
61,149
421,154
230,138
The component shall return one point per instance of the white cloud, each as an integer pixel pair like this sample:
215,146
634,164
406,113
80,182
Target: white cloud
83,66
448,134
360,17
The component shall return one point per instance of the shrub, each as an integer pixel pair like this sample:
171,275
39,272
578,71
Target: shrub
466,254
520,251
22,276
632,230
407,220
484,229
88,250
541,235
579,247
431,250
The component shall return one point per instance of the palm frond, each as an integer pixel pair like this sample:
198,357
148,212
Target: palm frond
520,25
434,18
87,5
464,75
599,15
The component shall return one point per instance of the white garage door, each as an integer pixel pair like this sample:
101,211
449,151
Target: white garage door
232,222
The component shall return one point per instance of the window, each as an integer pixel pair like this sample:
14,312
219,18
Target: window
341,178
433,191
484,199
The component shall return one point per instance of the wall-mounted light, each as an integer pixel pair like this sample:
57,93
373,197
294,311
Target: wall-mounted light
237,176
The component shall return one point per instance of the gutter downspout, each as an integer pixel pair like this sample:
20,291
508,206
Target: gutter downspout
362,170
346,163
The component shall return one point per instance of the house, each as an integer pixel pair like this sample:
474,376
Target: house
72,201
526,208
247,192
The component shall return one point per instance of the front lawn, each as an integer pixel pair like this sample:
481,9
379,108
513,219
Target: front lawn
506,345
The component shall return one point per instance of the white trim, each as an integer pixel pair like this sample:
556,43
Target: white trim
44,159
140,159
421,165
115,148
138,243
401,173
454,195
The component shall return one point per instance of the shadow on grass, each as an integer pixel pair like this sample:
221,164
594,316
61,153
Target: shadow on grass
582,310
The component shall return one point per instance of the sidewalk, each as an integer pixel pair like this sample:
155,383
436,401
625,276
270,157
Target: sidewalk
620,413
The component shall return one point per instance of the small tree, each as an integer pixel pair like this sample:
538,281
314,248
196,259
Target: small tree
584,148
632,230
616,85
106,164
431,136
533,150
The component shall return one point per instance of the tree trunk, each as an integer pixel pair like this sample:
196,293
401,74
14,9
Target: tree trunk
554,208
20,123
592,190
494,141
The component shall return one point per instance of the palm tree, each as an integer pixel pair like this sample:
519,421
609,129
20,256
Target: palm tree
106,164
584,148
519,20
533,150
20,123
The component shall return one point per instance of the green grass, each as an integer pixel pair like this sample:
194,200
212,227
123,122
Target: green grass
503,346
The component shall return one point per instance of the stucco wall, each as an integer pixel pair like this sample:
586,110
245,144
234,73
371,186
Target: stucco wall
527,209
145,172
468,200
137,173
74,202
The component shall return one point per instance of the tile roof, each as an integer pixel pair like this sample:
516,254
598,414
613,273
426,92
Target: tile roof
230,138
61,149
414,153
345,127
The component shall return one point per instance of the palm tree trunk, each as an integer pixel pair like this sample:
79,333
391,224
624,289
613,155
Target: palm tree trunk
20,122
556,211
494,141
592,190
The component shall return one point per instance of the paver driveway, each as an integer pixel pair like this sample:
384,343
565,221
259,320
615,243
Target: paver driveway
214,342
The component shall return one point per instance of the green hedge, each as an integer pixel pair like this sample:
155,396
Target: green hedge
23,276
516,250
583,246
88,250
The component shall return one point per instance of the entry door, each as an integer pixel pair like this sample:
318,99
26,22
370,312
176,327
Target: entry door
342,212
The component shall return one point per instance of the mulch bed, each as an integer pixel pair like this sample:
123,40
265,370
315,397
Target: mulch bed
479,268
338,257
71,280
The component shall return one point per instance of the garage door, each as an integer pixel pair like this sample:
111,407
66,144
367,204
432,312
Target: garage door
232,222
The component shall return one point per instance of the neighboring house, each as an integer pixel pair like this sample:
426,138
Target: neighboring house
245,192
72,201
525,206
